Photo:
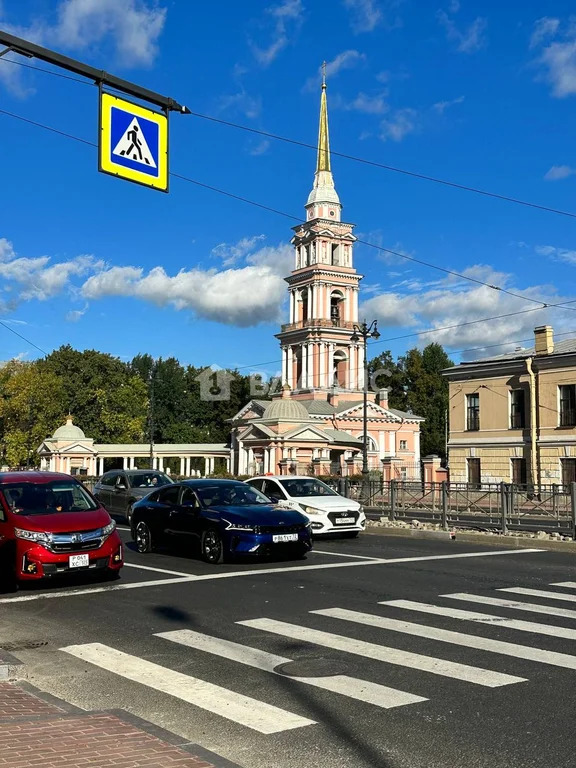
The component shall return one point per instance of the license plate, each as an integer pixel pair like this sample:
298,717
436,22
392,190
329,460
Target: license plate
284,537
345,520
78,561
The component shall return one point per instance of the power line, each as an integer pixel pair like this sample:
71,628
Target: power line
562,305
344,155
246,200
8,328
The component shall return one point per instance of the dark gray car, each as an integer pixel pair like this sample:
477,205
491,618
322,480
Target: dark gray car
119,489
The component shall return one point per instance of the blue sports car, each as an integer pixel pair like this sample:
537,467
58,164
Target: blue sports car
220,518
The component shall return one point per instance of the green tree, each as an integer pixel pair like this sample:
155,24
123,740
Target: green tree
32,407
394,380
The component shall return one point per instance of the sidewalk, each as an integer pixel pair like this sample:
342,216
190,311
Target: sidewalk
38,730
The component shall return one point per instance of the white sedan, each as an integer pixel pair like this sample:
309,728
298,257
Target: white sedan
327,511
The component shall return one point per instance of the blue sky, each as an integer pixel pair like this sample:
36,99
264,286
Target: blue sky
480,93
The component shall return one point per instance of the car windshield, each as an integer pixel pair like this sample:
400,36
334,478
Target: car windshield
149,480
306,486
230,495
47,498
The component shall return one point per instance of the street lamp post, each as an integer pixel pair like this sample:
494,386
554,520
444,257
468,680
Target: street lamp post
151,411
365,332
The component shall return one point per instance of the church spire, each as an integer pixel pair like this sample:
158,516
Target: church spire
323,162
323,192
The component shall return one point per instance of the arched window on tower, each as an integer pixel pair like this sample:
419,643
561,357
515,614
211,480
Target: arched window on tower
335,260
304,298
340,369
298,358
336,307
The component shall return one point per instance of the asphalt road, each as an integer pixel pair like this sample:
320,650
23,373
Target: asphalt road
314,670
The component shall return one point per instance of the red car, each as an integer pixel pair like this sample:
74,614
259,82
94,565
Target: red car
51,525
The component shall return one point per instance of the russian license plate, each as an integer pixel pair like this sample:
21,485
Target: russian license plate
78,561
279,537
345,520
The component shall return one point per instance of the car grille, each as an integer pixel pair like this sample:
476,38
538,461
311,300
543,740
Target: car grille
51,569
333,516
280,528
77,542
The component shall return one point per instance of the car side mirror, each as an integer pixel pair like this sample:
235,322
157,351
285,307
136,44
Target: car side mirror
121,487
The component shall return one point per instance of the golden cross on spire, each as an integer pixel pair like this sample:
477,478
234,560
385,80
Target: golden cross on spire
323,74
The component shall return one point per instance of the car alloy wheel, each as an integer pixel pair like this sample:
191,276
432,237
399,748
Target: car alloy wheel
143,538
212,547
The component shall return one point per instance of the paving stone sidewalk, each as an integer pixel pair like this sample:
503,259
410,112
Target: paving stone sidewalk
39,730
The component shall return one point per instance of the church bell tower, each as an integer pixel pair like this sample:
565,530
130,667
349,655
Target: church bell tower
317,351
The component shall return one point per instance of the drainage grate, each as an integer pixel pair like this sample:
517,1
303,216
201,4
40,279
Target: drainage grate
24,645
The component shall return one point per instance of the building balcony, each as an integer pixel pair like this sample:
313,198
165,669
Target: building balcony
318,322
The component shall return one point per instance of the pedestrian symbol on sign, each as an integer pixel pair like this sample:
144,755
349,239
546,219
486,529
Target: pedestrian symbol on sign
134,146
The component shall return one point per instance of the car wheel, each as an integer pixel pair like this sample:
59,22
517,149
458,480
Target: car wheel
351,534
143,538
212,547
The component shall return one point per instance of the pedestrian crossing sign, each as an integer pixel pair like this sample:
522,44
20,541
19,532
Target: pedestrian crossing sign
133,142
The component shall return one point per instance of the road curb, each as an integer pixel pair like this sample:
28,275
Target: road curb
10,666
521,542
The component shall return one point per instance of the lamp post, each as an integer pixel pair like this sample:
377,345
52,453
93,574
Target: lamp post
365,332
151,376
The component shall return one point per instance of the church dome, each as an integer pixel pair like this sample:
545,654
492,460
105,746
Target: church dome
69,432
287,409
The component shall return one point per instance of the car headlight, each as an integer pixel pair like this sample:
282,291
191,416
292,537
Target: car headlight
37,536
239,526
311,510
108,529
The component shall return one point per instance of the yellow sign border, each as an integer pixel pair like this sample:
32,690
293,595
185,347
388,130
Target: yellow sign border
107,164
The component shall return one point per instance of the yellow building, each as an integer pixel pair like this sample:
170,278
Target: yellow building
512,418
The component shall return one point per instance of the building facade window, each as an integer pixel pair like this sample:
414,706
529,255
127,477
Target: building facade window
568,471
517,409
473,411
474,476
567,401
518,473
403,445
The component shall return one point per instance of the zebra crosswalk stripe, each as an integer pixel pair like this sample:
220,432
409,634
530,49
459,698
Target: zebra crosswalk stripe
483,618
451,669
361,690
567,584
457,638
500,602
244,710
539,593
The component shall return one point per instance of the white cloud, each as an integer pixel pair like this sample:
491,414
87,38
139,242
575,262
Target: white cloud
544,29
133,27
371,105
345,60
240,101
442,106
25,279
453,302
469,39
260,148
366,14
557,59
244,296
287,18
401,123
557,172
557,254
76,314
231,254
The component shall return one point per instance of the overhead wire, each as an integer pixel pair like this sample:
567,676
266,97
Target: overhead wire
335,153
542,305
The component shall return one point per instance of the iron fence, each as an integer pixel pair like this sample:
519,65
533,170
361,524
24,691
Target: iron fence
501,507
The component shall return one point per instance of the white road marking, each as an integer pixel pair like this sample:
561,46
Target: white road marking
568,584
456,638
91,590
158,570
484,618
566,613
362,690
263,572
244,710
539,593
396,656
342,554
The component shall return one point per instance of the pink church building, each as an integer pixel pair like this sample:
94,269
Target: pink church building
315,426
